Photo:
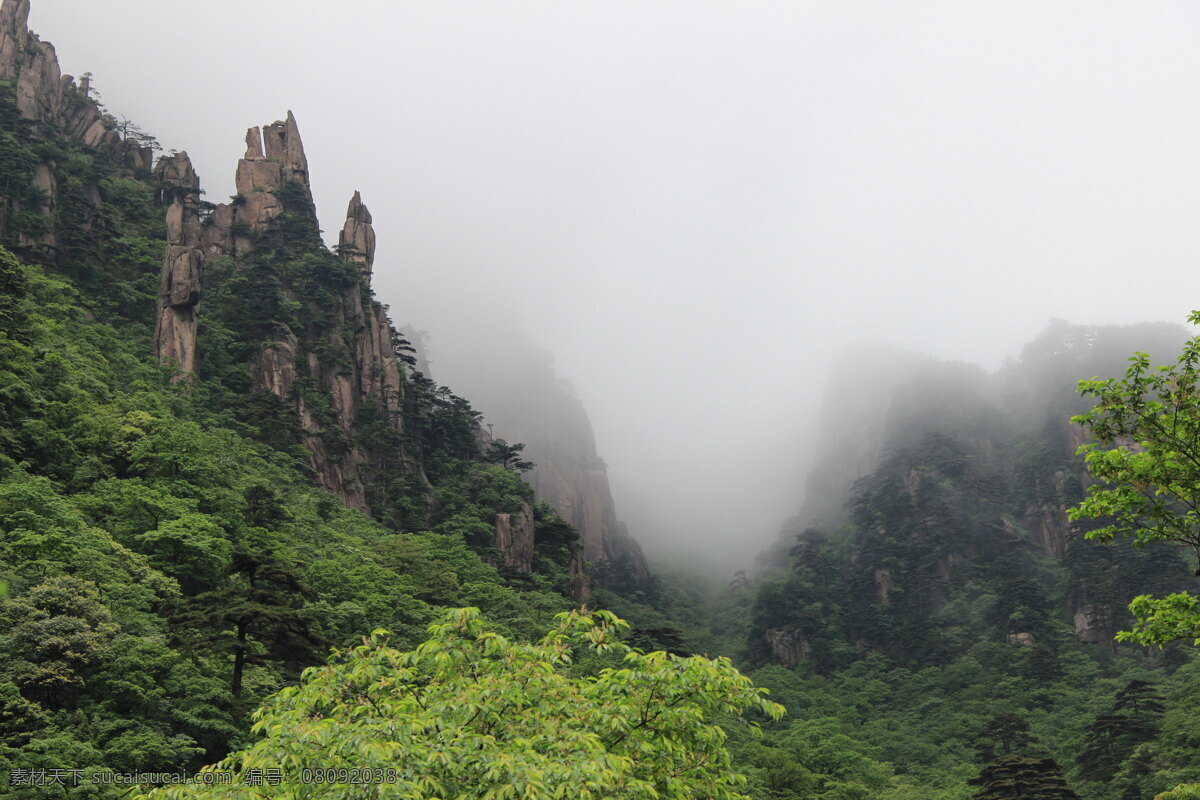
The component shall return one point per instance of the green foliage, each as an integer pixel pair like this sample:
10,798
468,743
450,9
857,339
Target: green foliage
472,714
1181,792
195,545
508,455
1003,735
14,287
1146,426
1022,777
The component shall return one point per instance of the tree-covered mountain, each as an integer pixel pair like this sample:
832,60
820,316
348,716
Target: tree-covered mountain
934,582
217,458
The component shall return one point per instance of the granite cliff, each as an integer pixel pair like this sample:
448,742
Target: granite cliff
344,352
515,383
53,106
252,304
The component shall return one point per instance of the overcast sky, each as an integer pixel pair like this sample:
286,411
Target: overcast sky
696,205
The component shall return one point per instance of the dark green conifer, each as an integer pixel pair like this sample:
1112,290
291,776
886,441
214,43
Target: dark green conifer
1022,777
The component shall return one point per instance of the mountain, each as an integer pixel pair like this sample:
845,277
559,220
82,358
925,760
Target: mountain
515,384
218,456
941,499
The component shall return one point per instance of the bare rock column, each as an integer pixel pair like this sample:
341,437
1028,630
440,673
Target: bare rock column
180,287
356,242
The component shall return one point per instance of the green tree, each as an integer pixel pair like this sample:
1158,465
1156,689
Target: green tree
1139,699
508,455
1146,459
1022,777
56,635
14,286
1112,737
1189,792
472,714
260,605
1003,735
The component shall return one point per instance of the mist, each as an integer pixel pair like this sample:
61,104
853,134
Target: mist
697,207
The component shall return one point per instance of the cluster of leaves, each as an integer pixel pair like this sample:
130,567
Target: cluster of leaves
472,714
1146,456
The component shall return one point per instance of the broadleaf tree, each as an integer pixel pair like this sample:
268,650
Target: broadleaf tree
1146,459
472,714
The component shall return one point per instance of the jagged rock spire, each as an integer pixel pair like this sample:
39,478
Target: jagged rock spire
283,144
274,158
356,242
180,285
43,93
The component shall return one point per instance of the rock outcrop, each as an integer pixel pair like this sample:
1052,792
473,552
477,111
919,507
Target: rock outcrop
514,383
515,539
578,489
1093,624
356,242
350,360
788,645
180,286
54,105
43,93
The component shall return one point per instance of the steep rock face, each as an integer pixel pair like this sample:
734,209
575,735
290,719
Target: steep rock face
515,539
44,94
180,287
274,158
788,645
356,242
52,104
1094,624
43,102
514,383
577,487
329,373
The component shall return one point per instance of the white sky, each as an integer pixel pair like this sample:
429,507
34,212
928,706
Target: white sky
697,205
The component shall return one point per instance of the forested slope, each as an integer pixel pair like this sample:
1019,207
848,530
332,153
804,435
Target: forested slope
178,540
947,611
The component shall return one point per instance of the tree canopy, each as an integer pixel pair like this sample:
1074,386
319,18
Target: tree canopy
1146,457
473,714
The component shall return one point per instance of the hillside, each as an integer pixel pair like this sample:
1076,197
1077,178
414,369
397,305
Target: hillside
217,458
933,581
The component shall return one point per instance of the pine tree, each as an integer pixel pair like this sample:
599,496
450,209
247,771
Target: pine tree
1022,777
1113,736
1139,699
1003,735
261,601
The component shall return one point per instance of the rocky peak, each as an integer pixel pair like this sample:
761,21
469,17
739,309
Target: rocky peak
356,242
363,371
283,144
274,159
55,106
43,93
